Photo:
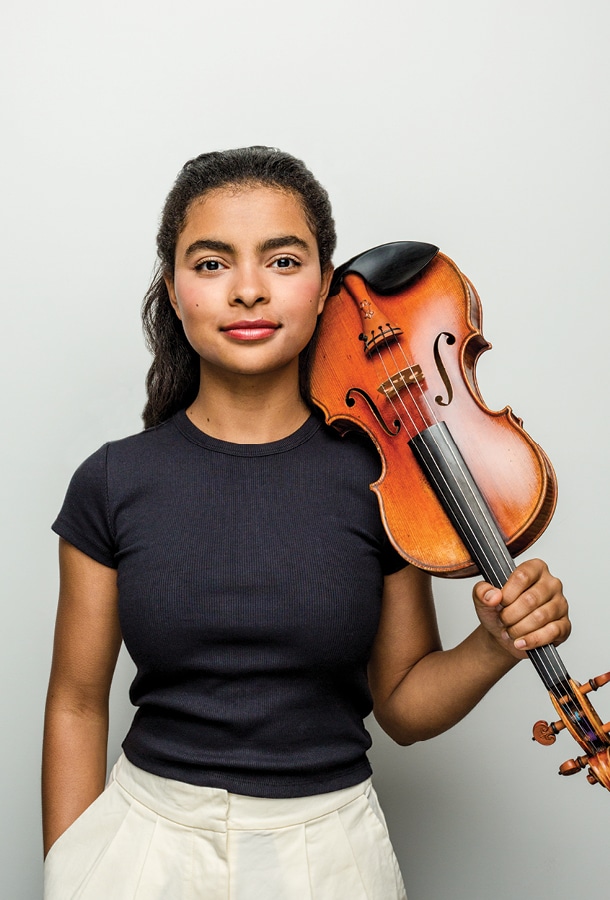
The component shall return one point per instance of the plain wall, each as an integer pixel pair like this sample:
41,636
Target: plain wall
479,126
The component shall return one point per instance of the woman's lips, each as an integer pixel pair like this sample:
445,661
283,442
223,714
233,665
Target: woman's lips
250,331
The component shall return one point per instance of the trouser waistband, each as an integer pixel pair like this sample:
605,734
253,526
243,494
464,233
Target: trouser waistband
218,810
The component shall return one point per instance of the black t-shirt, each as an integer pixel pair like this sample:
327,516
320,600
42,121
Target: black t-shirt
250,580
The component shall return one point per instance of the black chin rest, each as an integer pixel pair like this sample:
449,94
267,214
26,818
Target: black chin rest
389,268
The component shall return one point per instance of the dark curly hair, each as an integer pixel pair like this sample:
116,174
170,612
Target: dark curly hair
172,382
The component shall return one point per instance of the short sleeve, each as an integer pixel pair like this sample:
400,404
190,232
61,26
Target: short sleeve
84,519
391,560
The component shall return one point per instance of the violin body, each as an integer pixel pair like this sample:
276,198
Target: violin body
462,489
439,315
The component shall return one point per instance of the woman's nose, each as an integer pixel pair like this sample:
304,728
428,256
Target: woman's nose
249,288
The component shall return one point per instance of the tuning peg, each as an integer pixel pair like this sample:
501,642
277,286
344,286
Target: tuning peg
572,766
545,733
595,683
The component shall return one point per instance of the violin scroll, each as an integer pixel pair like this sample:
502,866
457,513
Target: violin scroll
578,716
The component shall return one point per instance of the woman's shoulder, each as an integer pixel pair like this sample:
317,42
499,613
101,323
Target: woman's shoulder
131,452
142,442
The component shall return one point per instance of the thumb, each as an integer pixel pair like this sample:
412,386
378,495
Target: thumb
487,595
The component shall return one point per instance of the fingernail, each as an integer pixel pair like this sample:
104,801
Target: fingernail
505,635
520,644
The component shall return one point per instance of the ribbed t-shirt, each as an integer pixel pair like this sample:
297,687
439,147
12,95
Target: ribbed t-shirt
250,581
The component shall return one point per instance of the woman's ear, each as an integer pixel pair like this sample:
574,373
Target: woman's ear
169,284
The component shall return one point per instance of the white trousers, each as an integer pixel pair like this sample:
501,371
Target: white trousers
150,838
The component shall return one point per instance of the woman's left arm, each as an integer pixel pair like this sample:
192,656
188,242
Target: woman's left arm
420,690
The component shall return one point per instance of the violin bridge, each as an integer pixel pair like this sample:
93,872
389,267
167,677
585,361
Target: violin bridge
396,383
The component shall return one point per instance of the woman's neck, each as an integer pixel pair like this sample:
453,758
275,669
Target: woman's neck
248,411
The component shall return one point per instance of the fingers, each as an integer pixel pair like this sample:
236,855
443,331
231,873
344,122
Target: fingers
531,574
531,606
548,624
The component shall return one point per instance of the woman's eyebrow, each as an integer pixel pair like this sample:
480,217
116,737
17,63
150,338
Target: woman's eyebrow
283,240
208,244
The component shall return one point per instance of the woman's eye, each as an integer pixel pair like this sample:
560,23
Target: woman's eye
208,265
285,262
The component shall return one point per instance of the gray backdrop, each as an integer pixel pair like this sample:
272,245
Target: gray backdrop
480,126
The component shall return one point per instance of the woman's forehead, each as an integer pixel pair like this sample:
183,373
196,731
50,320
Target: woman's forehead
246,209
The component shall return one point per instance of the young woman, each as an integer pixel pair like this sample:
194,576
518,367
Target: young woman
236,548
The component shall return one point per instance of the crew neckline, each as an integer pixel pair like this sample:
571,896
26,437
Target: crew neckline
194,434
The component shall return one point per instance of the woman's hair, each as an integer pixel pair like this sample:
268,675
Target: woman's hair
172,382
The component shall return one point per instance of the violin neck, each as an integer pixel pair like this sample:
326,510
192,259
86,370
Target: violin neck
449,476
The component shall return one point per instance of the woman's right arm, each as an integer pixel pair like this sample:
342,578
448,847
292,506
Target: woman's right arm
87,643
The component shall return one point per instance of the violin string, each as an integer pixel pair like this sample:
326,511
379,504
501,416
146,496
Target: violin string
550,663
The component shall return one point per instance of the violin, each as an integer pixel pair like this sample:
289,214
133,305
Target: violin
463,489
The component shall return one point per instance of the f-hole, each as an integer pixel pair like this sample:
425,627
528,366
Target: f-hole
350,401
442,371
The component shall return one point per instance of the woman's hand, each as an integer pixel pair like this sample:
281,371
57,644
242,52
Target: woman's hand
529,611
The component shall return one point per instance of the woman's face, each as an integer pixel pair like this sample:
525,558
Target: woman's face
247,284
